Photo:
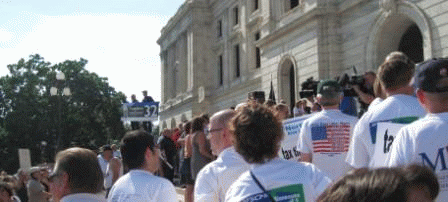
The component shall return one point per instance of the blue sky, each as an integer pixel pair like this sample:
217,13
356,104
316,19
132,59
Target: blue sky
117,37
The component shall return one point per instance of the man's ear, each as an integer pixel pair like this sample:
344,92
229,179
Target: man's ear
226,133
148,154
422,99
65,180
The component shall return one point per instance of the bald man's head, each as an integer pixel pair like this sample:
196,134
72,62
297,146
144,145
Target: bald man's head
219,131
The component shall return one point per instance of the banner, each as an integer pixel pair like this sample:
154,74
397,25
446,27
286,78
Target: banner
383,134
386,135
291,130
141,111
24,158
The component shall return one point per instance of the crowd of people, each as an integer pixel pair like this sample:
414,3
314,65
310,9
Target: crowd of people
394,151
400,123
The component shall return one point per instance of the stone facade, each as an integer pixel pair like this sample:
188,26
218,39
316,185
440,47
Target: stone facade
214,52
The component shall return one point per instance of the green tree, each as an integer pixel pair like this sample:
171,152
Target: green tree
90,117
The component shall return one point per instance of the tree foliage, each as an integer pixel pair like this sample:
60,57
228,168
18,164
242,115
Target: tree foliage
88,118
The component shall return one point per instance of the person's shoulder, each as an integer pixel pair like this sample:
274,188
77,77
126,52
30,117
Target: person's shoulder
400,101
302,171
312,119
239,187
314,116
245,179
336,116
292,166
367,116
346,116
349,119
415,128
141,177
209,170
164,183
122,180
286,165
386,106
421,122
304,166
159,180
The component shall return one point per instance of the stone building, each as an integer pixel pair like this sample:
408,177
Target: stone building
213,52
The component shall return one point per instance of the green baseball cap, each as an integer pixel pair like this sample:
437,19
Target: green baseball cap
328,88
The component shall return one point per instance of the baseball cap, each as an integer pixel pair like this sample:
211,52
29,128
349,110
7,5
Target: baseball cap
328,87
432,75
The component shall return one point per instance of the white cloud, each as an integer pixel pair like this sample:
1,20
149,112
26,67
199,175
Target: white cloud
5,36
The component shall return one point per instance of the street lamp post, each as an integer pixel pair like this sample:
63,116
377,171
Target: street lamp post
43,144
60,77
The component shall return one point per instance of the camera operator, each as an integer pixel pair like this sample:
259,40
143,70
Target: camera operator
365,91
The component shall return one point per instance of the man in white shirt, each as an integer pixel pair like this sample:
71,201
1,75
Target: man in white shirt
76,177
324,138
142,158
425,141
110,166
113,172
377,128
216,177
104,158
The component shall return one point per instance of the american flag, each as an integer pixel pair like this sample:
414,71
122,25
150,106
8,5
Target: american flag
331,138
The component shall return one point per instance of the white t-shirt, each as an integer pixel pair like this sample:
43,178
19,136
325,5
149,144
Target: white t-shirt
83,197
424,142
284,180
395,111
374,102
326,136
142,186
216,177
103,164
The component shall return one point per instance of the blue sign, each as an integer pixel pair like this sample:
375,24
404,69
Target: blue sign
140,111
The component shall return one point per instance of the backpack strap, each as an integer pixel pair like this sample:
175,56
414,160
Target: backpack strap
261,187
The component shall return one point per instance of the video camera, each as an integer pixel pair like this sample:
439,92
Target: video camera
309,88
353,80
347,82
